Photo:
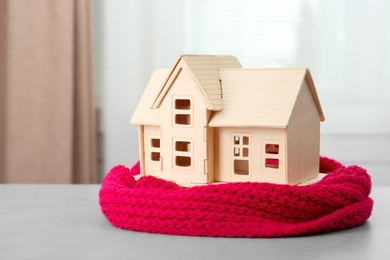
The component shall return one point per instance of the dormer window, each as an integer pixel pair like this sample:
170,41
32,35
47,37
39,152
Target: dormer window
182,112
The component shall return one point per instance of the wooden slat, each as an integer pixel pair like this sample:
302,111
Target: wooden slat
258,97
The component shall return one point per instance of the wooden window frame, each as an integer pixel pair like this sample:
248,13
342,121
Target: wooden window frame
182,111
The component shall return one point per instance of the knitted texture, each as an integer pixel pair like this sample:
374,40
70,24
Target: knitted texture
249,209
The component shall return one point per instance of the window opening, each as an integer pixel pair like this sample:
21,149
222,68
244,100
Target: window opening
184,104
241,167
182,153
155,156
272,148
182,119
236,151
183,146
155,142
272,158
182,111
183,161
272,163
241,154
154,149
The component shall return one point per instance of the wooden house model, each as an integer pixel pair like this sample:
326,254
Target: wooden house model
208,120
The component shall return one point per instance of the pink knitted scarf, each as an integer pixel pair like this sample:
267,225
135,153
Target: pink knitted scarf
340,200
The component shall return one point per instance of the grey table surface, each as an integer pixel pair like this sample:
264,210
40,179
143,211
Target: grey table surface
65,222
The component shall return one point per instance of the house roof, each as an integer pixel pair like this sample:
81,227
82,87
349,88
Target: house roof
239,97
144,114
261,97
205,71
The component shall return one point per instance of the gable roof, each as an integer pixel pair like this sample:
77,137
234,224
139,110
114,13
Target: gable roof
261,97
204,69
144,114
250,97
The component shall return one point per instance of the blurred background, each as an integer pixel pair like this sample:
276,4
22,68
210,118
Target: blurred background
72,72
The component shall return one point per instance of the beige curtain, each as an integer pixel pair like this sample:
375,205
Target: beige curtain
47,116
